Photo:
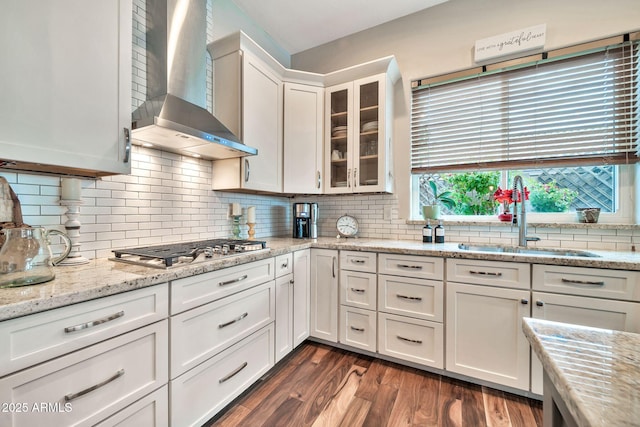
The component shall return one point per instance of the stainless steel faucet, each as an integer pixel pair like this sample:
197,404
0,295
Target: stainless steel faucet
522,221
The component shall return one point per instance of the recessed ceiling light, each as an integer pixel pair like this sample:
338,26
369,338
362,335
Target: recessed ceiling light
195,155
147,144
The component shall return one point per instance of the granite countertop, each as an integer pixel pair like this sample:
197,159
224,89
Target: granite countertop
595,371
103,277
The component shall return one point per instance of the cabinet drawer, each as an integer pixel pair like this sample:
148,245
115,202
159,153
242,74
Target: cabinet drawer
203,391
198,334
122,370
593,282
42,336
358,261
492,273
150,411
284,264
358,289
406,296
358,328
418,341
411,266
198,290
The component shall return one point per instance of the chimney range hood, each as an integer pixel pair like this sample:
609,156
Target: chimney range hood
174,118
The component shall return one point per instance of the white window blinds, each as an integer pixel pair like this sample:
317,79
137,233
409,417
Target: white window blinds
578,110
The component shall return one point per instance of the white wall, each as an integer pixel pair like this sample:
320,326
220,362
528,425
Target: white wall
441,39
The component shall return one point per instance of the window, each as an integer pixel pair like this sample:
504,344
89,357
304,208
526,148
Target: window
563,121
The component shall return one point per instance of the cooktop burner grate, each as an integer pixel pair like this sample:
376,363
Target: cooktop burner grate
168,255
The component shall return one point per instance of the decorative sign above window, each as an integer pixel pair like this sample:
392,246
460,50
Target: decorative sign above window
510,43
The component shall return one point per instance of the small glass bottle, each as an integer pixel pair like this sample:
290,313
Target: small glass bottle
427,233
439,232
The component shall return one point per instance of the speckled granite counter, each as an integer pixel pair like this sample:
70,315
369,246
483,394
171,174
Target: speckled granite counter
104,277
596,372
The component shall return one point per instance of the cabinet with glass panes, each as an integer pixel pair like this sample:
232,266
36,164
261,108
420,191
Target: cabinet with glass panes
358,135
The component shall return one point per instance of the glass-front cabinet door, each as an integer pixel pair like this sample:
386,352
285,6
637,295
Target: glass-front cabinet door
357,135
340,102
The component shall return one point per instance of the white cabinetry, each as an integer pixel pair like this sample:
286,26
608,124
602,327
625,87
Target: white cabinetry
248,95
484,323
303,125
92,383
301,293
66,86
324,294
358,294
584,296
222,335
410,308
284,305
98,356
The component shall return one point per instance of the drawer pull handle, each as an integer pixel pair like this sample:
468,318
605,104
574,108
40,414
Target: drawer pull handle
413,267
232,373
285,264
93,323
486,273
357,261
358,291
409,340
409,298
353,328
228,282
582,282
231,322
72,396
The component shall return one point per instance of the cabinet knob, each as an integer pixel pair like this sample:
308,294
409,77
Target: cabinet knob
539,303
524,301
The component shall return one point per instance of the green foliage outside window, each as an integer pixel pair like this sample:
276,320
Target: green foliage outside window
473,192
550,198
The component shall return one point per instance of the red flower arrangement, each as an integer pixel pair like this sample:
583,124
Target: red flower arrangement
506,198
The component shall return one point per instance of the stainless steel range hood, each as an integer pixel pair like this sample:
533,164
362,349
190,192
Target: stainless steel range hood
174,118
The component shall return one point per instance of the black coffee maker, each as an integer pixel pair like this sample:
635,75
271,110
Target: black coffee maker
305,220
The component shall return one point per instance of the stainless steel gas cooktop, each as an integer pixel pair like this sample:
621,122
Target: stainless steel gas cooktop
180,254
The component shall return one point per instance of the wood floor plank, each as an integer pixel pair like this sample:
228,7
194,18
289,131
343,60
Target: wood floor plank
427,412
356,413
520,412
381,407
393,374
306,385
281,416
408,399
233,417
372,380
337,407
495,408
449,403
473,406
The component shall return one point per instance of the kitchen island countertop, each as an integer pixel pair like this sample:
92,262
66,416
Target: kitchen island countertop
595,372
103,277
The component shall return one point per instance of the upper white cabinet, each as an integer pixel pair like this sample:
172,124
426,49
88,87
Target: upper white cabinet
358,131
66,86
303,113
248,99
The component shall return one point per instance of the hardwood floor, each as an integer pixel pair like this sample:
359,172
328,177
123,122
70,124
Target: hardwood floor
318,385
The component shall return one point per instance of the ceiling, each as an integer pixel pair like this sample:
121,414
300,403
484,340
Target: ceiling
298,25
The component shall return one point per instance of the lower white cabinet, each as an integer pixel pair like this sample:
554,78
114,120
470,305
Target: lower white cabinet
200,393
87,386
284,316
358,328
406,296
484,333
202,332
301,293
150,411
415,340
324,294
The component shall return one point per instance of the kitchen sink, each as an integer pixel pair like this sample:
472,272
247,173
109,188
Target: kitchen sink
525,250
